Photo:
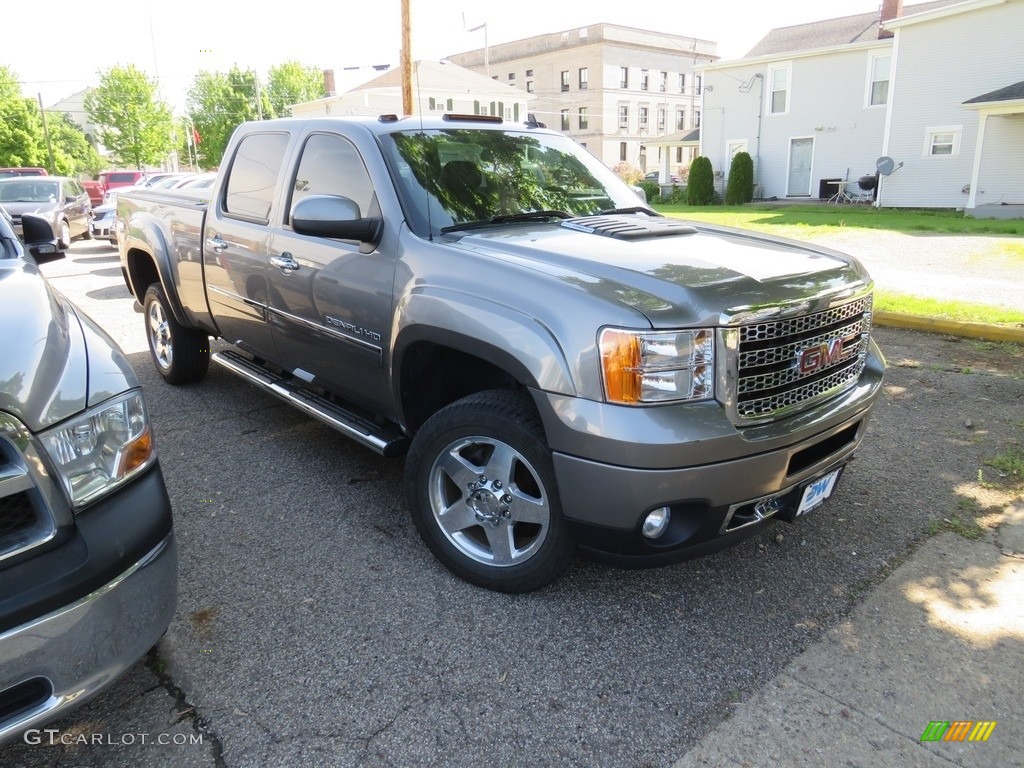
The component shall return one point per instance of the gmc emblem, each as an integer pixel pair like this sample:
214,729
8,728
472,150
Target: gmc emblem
815,358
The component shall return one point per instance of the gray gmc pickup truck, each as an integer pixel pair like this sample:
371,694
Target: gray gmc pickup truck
563,366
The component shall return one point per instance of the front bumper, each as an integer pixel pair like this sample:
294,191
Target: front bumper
614,465
103,228
59,661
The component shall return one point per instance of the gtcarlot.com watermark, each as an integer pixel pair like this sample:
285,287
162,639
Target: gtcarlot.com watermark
54,736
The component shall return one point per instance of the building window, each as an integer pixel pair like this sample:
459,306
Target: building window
511,75
779,102
643,118
698,84
696,118
529,86
682,82
942,141
450,103
645,79
584,123
624,118
623,77
680,119
622,151
679,154
565,119
565,79
583,78
735,147
878,85
661,119
663,84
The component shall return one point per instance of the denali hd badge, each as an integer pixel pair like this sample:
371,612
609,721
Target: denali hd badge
821,356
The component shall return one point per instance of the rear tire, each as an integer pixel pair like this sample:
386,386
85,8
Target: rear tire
64,235
181,355
480,484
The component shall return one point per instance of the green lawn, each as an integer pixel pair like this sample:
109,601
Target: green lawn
803,221
891,301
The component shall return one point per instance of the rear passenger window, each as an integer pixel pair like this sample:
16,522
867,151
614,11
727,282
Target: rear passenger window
253,175
331,165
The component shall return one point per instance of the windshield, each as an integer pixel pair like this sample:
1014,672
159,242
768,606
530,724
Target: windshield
457,176
21,191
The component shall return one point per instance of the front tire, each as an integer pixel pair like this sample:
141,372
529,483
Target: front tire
480,484
181,355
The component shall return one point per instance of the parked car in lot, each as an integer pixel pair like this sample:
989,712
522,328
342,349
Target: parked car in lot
564,366
7,173
88,561
95,191
62,201
113,179
655,175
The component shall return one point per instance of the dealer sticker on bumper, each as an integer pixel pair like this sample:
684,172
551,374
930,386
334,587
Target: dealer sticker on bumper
816,493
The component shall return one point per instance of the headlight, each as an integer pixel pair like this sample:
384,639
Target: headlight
642,367
100,450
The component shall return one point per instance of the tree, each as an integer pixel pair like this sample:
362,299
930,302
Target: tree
291,83
72,152
21,131
218,103
740,188
700,188
134,124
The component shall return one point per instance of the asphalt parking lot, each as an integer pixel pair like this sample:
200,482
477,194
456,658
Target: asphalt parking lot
313,627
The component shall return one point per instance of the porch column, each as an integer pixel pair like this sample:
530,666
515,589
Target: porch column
972,199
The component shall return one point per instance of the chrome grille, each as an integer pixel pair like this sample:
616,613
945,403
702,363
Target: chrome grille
788,364
30,508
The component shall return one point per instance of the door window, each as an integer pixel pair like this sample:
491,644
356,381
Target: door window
253,176
331,165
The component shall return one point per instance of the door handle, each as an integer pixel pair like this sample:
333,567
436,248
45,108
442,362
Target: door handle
285,261
216,243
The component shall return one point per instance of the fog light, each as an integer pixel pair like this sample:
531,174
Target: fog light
656,522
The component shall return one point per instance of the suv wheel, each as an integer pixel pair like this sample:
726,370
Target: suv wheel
64,235
481,487
181,355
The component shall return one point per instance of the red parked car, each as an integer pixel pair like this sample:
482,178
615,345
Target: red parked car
7,173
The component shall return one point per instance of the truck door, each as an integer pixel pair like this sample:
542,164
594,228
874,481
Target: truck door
331,300
235,241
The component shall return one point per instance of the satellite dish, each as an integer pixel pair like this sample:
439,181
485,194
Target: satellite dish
885,165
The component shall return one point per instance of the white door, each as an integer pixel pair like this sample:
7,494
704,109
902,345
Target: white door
800,153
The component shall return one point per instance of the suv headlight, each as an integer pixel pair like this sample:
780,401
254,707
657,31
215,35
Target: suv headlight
103,448
641,367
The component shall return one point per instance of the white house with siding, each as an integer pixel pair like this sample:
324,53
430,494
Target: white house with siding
956,113
811,103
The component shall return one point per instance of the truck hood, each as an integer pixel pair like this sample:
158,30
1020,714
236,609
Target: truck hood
54,361
684,278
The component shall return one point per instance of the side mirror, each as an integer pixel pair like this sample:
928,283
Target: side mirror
335,216
38,237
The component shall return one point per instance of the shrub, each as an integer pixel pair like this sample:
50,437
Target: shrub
651,189
700,189
740,188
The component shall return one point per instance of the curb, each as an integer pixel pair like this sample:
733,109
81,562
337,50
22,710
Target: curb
982,331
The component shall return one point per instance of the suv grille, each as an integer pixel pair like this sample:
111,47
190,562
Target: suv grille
792,363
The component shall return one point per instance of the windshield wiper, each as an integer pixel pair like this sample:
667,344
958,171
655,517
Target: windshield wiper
507,218
634,209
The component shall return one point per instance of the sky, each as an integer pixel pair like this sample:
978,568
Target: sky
174,39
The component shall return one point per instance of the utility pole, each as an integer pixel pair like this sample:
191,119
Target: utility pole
46,133
406,61
259,98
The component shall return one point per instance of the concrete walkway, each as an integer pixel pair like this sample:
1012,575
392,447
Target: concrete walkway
941,639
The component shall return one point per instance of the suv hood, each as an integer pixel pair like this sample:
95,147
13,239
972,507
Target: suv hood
19,209
683,279
54,361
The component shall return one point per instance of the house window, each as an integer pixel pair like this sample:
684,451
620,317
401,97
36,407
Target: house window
682,82
624,118
679,154
645,79
664,82
779,102
584,123
942,141
680,119
529,86
583,78
529,73
622,151
698,84
623,77
511,75
696,118
878,86
661,119
565,119
737,146
565,79
643,118
450,103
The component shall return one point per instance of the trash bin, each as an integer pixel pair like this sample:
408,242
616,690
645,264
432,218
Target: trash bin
827,188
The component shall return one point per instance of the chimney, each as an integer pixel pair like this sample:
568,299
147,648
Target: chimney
329,83
891,9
